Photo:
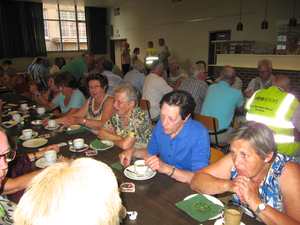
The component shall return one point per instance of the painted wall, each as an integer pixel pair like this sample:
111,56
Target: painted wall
143,20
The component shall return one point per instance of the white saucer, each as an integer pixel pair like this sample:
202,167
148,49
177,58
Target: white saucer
9,124
221,222
107,142
52,128
41,163
36,122
34,134
85,147
133,176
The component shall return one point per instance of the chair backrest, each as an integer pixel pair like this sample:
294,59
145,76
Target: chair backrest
144,104
211,123
215,155
27,94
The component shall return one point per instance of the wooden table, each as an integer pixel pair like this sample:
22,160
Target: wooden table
154,199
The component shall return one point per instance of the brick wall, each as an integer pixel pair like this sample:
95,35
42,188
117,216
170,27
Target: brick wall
247,74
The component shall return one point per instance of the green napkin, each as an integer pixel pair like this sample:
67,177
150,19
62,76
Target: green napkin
44,116
4,111
119,166
98,144
16,139
199,207
78,131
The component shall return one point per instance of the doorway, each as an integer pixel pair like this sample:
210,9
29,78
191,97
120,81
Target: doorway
214,36
116,47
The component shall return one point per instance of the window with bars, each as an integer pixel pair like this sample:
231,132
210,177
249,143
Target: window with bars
65,27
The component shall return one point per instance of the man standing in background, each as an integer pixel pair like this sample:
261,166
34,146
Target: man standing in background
125,59
164,53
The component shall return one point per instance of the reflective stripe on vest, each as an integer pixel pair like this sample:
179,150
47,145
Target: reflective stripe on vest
279,121
283,138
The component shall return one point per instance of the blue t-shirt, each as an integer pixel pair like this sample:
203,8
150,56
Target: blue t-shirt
189,150
77,101
220,102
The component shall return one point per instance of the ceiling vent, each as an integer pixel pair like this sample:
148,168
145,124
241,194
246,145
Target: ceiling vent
117,11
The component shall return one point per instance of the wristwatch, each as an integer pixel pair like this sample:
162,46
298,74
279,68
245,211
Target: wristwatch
261,207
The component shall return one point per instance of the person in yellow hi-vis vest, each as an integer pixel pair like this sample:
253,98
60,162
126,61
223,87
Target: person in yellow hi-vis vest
279,110
150,55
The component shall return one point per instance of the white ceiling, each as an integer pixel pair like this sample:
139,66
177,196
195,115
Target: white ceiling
95,3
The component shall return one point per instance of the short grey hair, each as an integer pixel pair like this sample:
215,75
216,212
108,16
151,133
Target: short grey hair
259,137
228,73
156,64
138,65
133,92
197,68
89,54
265,62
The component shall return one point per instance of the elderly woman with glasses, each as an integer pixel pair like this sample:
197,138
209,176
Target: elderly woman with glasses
8,149
129,125
70,99
263,179
97,109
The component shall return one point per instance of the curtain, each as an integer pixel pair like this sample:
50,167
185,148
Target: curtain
95,19
22,29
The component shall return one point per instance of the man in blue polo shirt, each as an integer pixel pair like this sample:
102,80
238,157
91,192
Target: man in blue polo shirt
182,143
221,101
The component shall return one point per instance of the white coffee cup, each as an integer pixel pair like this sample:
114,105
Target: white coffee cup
78,143
24,106
41,110
27,133
140,167
16,117
52,123
50,156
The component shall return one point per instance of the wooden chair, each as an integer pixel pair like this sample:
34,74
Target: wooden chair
212,124
144,104
27,94
215,155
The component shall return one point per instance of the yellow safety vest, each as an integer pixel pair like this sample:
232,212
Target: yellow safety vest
274,108
152,54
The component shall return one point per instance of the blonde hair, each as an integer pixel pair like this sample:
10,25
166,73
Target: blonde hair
83,191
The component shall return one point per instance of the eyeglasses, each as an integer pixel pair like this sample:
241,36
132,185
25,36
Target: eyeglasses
95,87
9,156
118,102
260,72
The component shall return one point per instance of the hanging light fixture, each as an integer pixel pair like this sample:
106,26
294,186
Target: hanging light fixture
293,21
265,24
239,27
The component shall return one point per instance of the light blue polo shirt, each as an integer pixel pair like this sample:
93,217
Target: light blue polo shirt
77,101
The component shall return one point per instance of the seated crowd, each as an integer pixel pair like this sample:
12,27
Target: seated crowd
261,171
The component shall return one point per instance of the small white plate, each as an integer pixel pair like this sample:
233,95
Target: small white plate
34,135
21,119
133,176
85,147
12,112
41,163
107,142
52,128
36,142
9,124
210,198
72,127
36,122
221,222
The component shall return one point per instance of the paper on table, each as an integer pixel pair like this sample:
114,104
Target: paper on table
59,145
199,207
119,166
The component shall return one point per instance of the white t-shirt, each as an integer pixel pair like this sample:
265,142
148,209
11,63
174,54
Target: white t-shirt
155,87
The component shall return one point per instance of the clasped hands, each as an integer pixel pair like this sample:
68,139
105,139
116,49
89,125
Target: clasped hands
247,190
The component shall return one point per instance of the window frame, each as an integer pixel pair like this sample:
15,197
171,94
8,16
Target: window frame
61,37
